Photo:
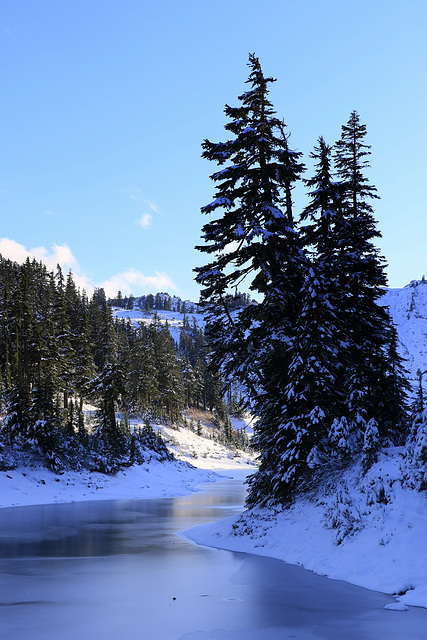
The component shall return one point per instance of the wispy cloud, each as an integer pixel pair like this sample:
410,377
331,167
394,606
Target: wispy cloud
134,193
145,220
129,281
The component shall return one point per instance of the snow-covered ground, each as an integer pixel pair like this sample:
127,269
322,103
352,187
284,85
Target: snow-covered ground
385,549
37,485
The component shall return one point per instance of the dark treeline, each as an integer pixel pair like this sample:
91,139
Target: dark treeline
59,350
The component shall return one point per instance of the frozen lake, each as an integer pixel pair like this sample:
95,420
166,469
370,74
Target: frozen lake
116,570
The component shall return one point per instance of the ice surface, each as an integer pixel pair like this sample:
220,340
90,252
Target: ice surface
119,569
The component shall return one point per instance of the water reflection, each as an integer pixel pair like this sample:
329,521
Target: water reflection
118,569
103,528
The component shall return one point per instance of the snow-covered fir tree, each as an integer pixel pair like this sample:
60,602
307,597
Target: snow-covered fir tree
253,237
312,391
317,353
254,241
372,372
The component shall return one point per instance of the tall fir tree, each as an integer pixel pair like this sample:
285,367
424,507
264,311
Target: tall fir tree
314,394
64,338
109,438
362,281
255,241
308,386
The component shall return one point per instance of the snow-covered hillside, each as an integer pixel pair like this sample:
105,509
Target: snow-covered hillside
174,318
367,529
408,308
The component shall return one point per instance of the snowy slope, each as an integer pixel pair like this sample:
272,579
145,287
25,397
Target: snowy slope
343,532
175,319
368,529
408,308
197,460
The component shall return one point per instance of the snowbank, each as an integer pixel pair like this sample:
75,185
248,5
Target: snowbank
205,453
197,459
38,485
369,532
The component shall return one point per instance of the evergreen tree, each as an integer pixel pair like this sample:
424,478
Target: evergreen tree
62,316
362,280
339,438
393,405
416,449
170,393
102,334
149,304
371,444
56,349
84,365
143,371
254,239
107,387
312,390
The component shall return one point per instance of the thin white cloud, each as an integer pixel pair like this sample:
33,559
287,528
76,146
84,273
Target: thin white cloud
153,205
130,281
145,220
134,193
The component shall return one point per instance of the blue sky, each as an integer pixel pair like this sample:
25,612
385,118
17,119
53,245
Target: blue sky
105,104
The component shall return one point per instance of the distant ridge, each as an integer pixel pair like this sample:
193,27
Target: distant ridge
155,302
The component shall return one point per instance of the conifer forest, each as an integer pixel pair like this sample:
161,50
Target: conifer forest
60,351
